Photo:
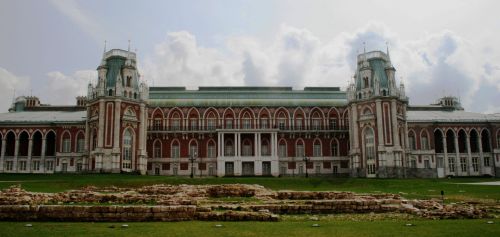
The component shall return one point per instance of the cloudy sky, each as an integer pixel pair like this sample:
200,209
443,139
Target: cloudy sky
51,48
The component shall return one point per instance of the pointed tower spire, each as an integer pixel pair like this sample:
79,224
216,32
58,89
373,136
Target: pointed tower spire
129,45
387,46
105,46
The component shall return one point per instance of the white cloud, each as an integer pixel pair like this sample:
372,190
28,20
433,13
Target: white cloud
62,89
10,83
438,64
73,11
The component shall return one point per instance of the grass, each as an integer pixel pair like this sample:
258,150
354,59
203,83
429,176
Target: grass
455,189
285,228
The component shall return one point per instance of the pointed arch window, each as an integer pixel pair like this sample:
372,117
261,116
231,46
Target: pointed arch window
175,150
369,144
299,149
211,152
157,149
317,148
127,149
335,148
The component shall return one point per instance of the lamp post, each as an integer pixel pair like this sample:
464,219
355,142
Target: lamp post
192,159
306,159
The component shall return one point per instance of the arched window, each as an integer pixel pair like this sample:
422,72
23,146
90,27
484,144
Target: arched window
317,148
485,140
211,150
110,92
299,149
50,144
369,140
299,121
228,148
281,120
247,148
335,148
157,149
193,149
282,149
462,141
246,121
175,149
264,122
316,121
23,144
438,141
10,144
127,149
265,151
80,142
211,121
411,140
424,140
37,144
66,142
474,141
450,141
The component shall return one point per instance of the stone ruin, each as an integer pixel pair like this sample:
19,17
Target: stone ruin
227,202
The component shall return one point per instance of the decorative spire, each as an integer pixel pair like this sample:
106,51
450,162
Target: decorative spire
129,45
387,46
105,46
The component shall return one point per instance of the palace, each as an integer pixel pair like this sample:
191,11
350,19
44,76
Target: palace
369,130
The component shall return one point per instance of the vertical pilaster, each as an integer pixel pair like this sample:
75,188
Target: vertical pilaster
100,129
380,128
469,156
30,149
445,150
42,158
395,129
2,154
16,152
481,155
457,154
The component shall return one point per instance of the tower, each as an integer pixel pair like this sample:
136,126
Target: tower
378,118
117,116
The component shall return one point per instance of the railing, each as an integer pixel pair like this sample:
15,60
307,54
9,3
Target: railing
214,128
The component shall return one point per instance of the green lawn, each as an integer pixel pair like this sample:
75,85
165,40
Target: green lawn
285,228
410,188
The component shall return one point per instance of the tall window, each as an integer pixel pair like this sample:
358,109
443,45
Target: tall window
229,123
475,164
229,148
463,164
317,149
176,124
264,123
193,124
333,124
425,141
247,148
211,150
369,140
66,143
157,124
127,150
281,123
427,164
247,121
265,148
411,140
211,124
298,123
282,149
369,144
193,150
157,149
175,150
299,149
451,164
413,162
316,123
36,165
80,144
335,148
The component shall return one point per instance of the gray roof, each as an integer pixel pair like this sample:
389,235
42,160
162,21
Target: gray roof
457,116
43,117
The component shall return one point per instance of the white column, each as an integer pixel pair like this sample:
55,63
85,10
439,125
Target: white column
218,144
355,126
42,156
116,132
481,155
238,138
255,145
469,155
457,153
395,130
222,145
16,152
100,137
380,131
30,149
2,154
259,144
445,150
142,144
